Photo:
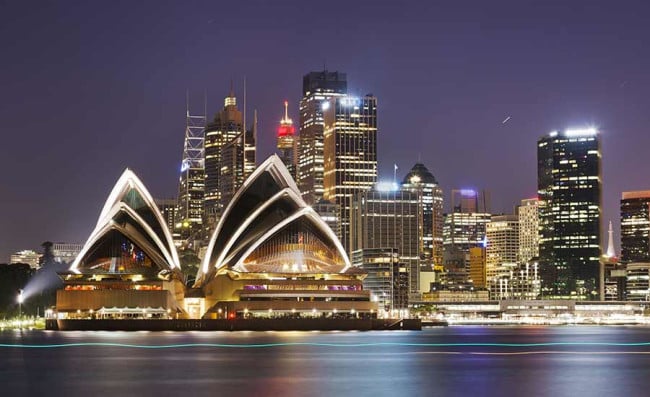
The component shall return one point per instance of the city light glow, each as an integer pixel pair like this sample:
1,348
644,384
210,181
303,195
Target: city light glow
385,186
580,132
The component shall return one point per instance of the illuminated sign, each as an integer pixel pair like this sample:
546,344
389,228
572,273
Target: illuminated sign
286,130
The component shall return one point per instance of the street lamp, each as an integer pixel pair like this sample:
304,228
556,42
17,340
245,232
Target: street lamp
21,299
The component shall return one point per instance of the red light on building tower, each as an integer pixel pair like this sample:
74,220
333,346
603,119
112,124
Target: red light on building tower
287,141
286,124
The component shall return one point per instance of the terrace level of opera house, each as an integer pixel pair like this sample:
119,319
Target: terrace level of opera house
271,255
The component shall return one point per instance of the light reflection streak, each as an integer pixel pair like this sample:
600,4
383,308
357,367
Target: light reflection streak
346,345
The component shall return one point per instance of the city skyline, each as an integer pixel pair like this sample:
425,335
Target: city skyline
488,114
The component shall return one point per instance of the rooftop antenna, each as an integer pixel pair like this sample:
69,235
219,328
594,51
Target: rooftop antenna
395,174
187,102
610,245
255,126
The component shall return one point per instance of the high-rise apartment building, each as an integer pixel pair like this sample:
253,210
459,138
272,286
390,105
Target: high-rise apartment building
528,213
317,89
502,245
635,226
288,142
421,181
389,219
569,191
350,153
226,126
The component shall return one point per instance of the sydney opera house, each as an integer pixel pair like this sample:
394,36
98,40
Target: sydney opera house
271,255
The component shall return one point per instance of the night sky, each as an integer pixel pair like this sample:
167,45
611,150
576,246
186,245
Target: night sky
88,88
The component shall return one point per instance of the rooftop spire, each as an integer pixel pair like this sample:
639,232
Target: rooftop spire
610,245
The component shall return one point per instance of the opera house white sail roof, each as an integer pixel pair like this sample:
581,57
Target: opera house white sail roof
268,228
131,235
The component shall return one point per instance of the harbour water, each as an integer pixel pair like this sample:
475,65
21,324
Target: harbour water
446,361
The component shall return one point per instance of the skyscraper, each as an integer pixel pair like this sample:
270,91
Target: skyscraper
250,147
569,190
389,220
528,213
189,216
635,226
226,126
287,142
421,181
350,153
237,156
317,89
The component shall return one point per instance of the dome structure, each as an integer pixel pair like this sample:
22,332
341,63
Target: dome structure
268,228
419,174
130,236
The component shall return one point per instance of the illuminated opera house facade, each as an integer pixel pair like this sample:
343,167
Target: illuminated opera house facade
271,255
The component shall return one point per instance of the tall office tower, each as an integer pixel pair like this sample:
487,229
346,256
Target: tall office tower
236,163
350,153
287,142
422,182
317,89
250,147
168,208
464,228
189,215
502,245
569,191
528,213
226,126
635,226
388,219
231,169
468,201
